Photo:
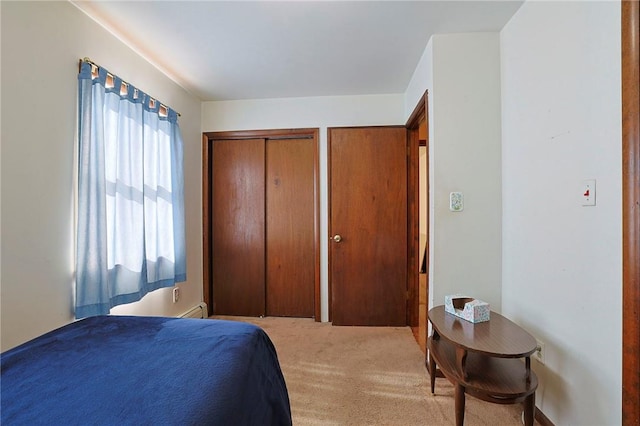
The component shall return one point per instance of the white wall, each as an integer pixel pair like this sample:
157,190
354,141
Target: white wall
462,75
421,80
561,261
315,112
41,45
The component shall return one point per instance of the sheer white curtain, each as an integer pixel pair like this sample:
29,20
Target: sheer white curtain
130,235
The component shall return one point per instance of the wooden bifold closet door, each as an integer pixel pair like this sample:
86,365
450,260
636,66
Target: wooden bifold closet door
263,225
238,227
290,228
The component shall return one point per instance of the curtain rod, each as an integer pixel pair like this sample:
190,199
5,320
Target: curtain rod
89,61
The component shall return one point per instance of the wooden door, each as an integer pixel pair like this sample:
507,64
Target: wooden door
368,225
238,227
290,238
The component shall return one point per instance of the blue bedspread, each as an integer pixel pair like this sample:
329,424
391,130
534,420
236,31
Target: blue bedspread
115,370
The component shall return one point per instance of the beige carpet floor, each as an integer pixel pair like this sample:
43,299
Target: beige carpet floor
366,376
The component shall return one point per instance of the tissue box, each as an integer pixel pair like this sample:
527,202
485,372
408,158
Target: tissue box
467,308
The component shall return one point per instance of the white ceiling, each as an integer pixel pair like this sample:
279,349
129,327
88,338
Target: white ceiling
224,50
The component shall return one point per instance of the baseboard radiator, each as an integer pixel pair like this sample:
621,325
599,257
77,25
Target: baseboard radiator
198,311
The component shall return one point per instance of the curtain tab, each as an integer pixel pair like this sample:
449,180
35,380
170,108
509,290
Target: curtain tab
172,115
85,71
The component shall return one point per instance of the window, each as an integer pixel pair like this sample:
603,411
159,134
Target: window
130,234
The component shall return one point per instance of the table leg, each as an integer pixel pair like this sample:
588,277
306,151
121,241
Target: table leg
432,373
459,403
461,362
529,409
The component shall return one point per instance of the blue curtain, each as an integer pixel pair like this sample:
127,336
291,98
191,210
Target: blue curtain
130,236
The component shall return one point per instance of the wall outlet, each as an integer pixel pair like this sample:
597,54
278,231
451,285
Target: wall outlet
538,355
176,294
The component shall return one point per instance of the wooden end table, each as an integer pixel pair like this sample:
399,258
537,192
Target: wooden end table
483,360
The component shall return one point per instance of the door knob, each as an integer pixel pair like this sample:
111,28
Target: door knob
337,238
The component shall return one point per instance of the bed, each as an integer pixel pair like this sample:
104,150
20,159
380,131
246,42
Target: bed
119,370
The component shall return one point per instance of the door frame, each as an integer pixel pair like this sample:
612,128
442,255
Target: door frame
420,113
630,39
207,140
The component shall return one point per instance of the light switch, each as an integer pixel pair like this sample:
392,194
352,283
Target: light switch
456,202
589,192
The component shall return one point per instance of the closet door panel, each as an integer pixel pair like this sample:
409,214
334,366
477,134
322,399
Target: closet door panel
238,227
290,225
